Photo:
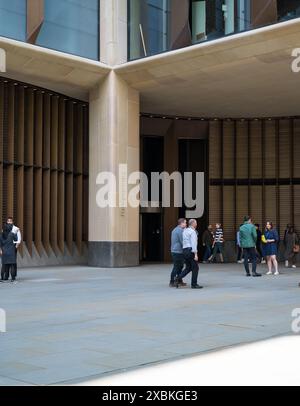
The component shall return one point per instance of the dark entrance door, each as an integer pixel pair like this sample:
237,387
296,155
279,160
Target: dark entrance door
193,158
151,250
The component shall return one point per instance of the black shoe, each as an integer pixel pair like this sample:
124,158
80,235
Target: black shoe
172,285
248,274
197,287
256,275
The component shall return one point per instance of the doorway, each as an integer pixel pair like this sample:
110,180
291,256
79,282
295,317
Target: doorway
152,237
193,157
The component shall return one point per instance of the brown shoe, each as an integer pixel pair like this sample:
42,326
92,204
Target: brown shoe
182,284
172,285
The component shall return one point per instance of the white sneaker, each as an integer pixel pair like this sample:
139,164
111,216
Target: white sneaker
270,273
276,274
294,266
263,262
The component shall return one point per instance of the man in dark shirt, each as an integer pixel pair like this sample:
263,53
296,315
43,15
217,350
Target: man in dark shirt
177,252
208,241
258,244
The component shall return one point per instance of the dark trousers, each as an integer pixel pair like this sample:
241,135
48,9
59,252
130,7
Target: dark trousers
190,266
208,253
9,269
292,258
178,263
250,254
259,252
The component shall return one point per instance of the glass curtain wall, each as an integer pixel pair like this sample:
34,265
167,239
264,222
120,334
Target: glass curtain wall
70,26
13,19
162,25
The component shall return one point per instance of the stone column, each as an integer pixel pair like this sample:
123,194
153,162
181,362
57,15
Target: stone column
113,32
114,140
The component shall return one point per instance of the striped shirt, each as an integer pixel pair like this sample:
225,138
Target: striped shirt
219,235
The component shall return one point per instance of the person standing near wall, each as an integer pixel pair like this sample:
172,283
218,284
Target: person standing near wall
208,241
240,257
270,241
248,240
292,248
18,242
258,244
9,253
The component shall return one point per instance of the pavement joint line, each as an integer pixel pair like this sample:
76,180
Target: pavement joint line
161,362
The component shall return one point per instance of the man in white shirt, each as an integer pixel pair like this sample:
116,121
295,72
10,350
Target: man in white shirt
190,253
15,230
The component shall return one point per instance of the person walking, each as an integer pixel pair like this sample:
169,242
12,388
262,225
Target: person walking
292,248
270,239
208,241
285,233
8,252
248,239
190,253
240,257
218,247
177,252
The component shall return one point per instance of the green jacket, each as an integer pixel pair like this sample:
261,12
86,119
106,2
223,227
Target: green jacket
248,236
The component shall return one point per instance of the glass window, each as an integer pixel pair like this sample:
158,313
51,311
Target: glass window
71,26
158,25
13,19
161,25
288,9
148,27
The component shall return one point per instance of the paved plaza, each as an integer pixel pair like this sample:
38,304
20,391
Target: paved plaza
73,324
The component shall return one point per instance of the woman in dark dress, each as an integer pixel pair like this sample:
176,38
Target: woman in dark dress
270,241
8,252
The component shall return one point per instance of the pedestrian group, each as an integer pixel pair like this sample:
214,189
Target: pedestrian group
254,246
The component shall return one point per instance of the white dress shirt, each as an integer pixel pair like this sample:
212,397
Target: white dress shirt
190,239
17,231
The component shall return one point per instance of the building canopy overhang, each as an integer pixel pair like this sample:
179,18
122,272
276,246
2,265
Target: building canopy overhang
244,75
68,74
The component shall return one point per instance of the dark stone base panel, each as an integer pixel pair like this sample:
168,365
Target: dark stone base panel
113,254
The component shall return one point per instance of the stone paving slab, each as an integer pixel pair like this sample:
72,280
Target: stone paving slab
73,323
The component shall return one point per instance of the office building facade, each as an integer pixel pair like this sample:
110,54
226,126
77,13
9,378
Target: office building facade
157,85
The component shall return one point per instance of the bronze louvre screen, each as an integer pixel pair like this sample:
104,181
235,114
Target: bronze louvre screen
254,169
44,166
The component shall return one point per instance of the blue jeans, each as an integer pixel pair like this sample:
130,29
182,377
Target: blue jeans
208,252
219,248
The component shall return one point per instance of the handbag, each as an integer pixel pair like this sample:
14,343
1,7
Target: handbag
296,248
264,240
